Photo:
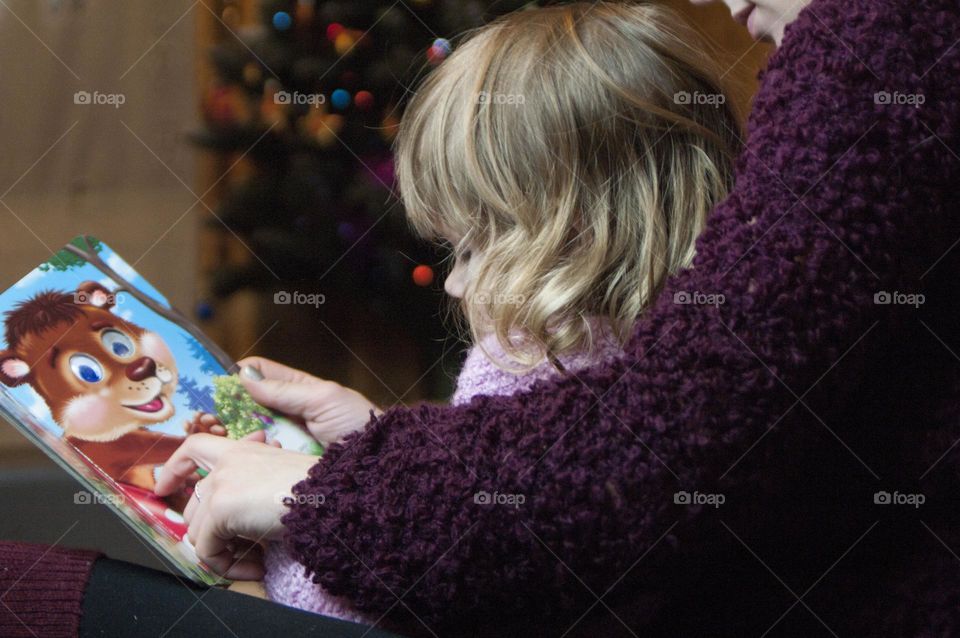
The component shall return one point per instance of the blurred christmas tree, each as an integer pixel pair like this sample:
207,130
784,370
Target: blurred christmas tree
313,96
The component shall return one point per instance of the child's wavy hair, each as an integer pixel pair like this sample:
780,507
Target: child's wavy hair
578,149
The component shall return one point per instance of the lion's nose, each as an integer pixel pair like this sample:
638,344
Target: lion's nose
142,368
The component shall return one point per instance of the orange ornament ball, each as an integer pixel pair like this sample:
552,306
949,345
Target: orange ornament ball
344,43
423,275
389,126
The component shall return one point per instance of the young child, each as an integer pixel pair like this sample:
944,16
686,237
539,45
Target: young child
570,156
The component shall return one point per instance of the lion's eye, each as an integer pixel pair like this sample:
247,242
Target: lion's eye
86,368
117,343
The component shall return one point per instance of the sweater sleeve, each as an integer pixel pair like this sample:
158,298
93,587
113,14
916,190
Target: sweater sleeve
523,501
43,589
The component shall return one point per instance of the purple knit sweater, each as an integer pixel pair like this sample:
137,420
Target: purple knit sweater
286,581
797,399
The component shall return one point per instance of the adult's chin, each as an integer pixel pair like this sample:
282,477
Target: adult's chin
763,25
771,24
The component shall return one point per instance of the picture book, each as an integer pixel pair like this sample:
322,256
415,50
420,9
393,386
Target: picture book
107,378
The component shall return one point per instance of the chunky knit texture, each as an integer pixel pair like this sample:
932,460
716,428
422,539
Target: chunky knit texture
41,589
286,580
796,399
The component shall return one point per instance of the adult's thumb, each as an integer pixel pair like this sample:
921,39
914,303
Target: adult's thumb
287,397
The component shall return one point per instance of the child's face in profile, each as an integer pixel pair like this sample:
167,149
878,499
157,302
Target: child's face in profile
464,261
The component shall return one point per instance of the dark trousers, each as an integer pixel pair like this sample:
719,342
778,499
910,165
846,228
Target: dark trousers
128,600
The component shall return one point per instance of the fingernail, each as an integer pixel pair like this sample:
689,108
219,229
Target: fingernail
252,372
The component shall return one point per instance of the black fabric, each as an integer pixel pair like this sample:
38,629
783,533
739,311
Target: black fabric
124,600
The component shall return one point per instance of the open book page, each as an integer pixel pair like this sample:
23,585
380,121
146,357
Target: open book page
100,372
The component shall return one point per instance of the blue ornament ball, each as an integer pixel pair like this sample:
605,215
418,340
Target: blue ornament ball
340,99
282,20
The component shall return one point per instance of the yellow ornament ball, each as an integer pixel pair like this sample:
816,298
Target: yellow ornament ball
344,43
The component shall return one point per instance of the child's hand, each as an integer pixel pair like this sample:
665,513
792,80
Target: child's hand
203,423
329,410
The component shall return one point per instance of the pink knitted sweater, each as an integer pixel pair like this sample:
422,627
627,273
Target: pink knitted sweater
286,580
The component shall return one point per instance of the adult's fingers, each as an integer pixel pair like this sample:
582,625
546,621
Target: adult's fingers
196,451
192,504
273,370
195,527
260,436
208,543
249,567
202,422
257,436
230,557
212,424
288,397
247,561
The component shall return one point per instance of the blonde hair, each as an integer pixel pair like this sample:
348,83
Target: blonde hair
580,149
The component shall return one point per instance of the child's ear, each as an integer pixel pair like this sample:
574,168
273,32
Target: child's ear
13,370
94,294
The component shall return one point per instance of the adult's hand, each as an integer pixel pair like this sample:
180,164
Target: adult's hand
239,503
329,410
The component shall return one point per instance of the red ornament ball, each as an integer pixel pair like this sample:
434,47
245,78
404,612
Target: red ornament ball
333,30
363,100
438,51
435,55
423,275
